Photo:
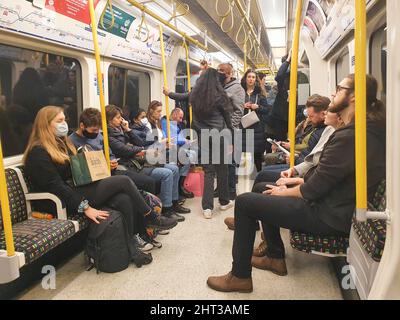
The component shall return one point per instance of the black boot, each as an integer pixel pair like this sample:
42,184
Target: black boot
170,213
179,209
161,222
182,191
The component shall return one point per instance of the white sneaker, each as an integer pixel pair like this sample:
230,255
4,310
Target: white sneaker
143,245
207,214
226,206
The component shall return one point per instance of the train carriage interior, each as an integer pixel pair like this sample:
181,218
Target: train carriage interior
127,54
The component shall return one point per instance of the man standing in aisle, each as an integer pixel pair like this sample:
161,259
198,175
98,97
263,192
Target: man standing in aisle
236,93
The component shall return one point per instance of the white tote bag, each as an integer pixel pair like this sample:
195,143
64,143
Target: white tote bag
251,118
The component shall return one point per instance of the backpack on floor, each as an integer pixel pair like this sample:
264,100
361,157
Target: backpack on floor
107,246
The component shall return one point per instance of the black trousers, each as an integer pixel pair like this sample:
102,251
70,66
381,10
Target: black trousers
258,160
121,194
267,176
142,181
274,213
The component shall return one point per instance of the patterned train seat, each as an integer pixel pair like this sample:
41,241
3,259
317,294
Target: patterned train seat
325,245
82,220
371,233
32,237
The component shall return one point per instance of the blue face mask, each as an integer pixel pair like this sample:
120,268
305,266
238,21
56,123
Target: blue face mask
62,129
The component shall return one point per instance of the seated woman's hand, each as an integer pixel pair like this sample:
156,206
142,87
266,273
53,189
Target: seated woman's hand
96,215
289,182
288,173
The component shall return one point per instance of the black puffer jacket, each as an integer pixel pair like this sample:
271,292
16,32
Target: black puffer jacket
124,145
260,139
280,110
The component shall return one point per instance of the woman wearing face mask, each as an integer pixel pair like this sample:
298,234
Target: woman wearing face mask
255,101
47,164
125,144
139,126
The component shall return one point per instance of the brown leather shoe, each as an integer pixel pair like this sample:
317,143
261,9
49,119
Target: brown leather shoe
230,223
261,249
230,283
276,266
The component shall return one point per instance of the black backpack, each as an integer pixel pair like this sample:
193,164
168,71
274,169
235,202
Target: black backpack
107,246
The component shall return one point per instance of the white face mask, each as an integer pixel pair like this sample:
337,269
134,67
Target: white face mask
145,121
305,112
62,129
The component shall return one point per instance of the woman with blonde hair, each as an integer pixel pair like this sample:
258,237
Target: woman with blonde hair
47,165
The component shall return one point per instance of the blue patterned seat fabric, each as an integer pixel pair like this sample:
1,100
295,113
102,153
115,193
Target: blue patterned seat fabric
33,237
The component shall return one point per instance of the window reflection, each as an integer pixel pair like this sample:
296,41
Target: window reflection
129,90
30,80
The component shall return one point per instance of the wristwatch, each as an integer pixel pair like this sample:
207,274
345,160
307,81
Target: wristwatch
84,205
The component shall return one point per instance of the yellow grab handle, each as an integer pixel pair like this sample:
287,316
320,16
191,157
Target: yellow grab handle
164,67
5,208
100,81
293,83
361,102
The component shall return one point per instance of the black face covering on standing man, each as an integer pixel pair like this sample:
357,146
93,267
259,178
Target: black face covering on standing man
222,78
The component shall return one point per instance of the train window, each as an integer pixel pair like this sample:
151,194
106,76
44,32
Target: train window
30,80
378,55
128,89
342,66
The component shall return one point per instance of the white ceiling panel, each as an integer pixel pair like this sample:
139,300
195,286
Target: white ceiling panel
274,12
277,37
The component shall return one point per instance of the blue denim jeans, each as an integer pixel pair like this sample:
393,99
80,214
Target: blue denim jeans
169,178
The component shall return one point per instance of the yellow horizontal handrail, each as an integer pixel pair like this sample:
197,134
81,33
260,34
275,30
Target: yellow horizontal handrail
99,81
5,208
293,82
361,112
155,16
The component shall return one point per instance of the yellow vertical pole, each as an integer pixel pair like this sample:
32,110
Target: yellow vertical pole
293,82
189,85
5,208
164,67
99,81
361,112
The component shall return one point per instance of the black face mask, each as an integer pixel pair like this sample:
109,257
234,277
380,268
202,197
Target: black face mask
89,135
222,78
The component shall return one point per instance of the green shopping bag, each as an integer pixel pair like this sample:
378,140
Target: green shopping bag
88,167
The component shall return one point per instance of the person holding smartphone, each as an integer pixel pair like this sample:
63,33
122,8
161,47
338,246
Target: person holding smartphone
126,145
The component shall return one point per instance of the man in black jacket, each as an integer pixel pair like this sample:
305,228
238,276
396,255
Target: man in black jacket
278,120
323,205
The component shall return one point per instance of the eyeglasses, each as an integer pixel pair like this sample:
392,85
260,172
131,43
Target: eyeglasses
340,88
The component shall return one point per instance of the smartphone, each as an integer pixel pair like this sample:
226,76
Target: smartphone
273,142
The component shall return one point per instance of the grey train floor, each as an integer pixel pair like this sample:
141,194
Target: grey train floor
194,250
